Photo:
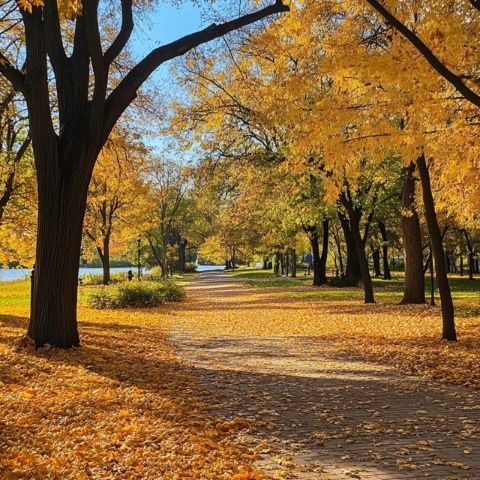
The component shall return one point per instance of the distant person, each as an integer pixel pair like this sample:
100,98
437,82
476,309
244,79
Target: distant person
130,275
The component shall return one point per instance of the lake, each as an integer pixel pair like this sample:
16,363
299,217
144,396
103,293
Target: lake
21,273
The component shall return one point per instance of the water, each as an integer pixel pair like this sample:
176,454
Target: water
7,275
206,268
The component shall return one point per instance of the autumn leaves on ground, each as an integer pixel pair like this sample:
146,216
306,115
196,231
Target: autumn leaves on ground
125,404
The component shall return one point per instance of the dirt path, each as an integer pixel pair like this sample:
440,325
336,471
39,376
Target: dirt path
321,415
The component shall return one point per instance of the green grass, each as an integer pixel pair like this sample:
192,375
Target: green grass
465,292
251,273
15,294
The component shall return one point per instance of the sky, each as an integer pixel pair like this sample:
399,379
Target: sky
164,25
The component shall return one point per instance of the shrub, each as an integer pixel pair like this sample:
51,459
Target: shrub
139,295
171,291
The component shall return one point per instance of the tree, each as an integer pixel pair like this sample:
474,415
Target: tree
448,332
458,81
116,203
414,286
88,107
170,183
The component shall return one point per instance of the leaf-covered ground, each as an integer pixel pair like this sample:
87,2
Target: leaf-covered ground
121,406
405,336
125,406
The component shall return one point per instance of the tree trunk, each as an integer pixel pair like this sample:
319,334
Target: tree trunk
293,263
276,263
323,258
383,232
105,258
448,317
352,271
414,286
265,263
362,260
354,215
376,261
182,246
470,255
339,255
461,265
53,319
314,243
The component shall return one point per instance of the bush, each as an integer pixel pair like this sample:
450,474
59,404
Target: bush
139,295
172,292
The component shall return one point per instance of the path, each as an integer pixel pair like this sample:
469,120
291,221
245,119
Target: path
319,415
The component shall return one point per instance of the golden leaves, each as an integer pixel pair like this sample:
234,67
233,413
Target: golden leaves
120,407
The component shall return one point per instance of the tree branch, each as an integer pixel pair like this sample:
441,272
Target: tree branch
126,91
431,58
123,36
98,65
12,74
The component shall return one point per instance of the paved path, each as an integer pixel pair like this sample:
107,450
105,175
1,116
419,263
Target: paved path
318,415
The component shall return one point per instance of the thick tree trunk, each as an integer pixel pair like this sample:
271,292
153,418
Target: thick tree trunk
383,232
265,263
322,274
352,271
354,216
362,260
414,286
53,319
276,263
448,317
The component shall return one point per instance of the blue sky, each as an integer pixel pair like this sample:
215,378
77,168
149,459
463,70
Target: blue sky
164,24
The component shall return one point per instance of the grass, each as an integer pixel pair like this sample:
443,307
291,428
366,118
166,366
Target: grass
465,292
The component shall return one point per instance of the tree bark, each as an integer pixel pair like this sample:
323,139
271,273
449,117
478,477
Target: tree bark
104,255
376,261
414,286
53,319
386,268
352,270
448,317
323,257
470,255
354,220
293,263
182,246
